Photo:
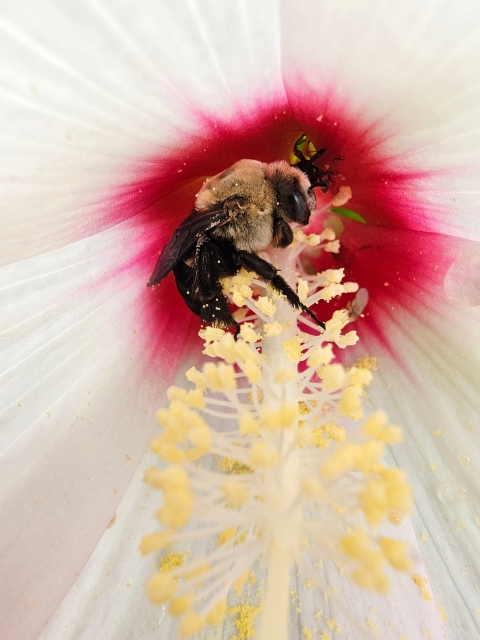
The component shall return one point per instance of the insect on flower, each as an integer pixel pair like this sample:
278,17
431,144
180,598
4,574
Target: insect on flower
239,213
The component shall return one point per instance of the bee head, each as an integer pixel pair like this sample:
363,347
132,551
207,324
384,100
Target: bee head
295,198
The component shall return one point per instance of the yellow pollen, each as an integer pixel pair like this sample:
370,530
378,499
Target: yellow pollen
394,519
359,377
248,425
422,584
182,604
272,329
333,376
230,465
241,539
252,371
332,276
343,459
226,535
302,290
307,634
370,574
350,287
313,239
266,306
168,452
334,431
293,348
332,247
191,624
219,377
331,291
154,477
356,545
343,196
240,582
209,334
199,570
328,234
248,334
367,362
235,492
217,612
193,375
284,375
312,488
263,457
244,620
350,404
443,613
319,439
155,541
396,553
321,356
177,393
303,408
196,399
161,587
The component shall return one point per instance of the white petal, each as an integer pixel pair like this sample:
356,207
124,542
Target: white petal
108,597
427,343
462,280
430,387
360,614
82,374
93,91
408,76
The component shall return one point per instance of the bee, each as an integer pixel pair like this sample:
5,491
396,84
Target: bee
238,213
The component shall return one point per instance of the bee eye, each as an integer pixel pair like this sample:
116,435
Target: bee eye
297,207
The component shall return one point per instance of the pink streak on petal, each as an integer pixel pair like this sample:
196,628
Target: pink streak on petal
402,269
388,191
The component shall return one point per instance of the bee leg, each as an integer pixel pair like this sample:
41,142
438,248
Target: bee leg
318,154
237,330
281,286
282,233
210,302
215,311
299,154
268,273
296,151
318,177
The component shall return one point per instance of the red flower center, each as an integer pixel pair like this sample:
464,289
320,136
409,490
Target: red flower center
396,256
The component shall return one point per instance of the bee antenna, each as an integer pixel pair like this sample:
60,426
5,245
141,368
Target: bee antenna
314,317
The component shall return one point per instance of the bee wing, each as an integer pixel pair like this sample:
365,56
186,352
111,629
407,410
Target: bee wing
185,238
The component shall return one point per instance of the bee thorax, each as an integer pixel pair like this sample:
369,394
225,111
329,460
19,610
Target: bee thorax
247,232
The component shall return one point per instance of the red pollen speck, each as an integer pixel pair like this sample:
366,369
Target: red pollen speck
395,247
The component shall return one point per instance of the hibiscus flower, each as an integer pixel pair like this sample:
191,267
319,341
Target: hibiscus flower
113,116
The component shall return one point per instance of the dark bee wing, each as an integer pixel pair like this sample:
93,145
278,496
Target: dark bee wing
185,238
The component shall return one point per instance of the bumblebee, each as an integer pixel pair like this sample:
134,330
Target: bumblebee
239,213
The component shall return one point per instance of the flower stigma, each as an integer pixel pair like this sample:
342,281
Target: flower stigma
268,456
